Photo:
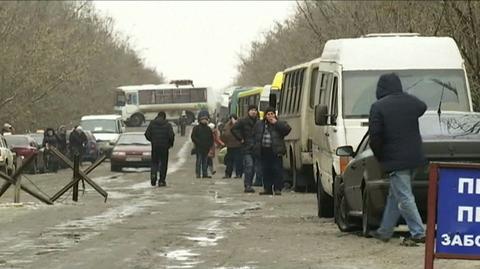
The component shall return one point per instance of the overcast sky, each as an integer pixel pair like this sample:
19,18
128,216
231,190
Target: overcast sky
198,40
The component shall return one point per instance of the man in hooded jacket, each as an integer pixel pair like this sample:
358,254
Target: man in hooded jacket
160,133
396,142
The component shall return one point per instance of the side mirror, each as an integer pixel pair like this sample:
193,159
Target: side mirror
344,151
321,115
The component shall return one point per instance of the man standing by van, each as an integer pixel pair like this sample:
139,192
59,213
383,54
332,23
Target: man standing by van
243,131
396,142
160,133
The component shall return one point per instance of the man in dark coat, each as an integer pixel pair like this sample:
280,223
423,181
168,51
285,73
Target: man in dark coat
269,148
233,158
396,142
202,138
50,139
243,132
77,142
160,133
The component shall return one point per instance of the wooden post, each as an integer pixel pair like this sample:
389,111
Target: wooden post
76,167
431,216
18,184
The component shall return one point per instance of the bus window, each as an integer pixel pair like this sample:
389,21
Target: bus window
290,91
299,91
334,109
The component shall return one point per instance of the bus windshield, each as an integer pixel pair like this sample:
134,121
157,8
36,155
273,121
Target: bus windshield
120,99
430,86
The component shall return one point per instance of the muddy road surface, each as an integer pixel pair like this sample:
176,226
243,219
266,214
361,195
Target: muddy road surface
192,223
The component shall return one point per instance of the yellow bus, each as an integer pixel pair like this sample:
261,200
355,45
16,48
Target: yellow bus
263,97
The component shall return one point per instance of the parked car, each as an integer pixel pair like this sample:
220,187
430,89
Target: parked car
38,137
106,128
131,150
25,146
91,149
7,157
360,192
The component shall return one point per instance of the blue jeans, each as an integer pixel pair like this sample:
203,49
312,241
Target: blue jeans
201,164
233,159
248,169
258,172
401,202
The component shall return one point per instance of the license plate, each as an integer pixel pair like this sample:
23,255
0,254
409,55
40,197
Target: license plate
133,159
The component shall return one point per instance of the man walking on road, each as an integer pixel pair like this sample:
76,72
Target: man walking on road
77,142
243,132
160,133
202,138
269,149
396,142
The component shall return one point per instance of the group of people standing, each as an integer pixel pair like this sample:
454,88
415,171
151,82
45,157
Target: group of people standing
254,148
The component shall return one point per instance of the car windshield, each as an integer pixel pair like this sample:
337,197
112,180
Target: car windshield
133,139
100,126
37,137
16,140
430,86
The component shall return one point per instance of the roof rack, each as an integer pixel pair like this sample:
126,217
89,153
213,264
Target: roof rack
390,34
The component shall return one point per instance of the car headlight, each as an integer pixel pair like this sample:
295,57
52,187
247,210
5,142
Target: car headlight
119,153
147,154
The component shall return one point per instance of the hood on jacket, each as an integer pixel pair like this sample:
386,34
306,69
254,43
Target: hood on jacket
388,84
47,130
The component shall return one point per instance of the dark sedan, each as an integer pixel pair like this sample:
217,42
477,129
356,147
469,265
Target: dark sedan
25,146
131,150
360,193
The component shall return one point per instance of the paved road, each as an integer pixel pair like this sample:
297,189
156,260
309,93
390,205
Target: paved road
193,223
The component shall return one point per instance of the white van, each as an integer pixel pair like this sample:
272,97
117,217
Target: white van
105,128
430,68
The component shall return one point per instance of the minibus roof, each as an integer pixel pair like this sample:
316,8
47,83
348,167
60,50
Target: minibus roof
393,52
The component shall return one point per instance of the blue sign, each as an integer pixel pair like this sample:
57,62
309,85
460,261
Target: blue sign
458,211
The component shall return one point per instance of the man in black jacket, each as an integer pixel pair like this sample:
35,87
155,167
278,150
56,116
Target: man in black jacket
396,142
269,148
243,132
160,133
202,138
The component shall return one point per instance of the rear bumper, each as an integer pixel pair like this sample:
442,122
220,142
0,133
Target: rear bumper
144,162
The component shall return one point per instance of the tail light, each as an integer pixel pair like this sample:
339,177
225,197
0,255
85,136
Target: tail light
343,163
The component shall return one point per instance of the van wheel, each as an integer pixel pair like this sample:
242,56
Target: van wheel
366,212
136,120
324,201
294,173
342,219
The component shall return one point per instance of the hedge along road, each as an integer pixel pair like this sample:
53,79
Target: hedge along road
192,223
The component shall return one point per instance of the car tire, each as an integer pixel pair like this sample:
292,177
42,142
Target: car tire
367,225
136,120
340,207
324,201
